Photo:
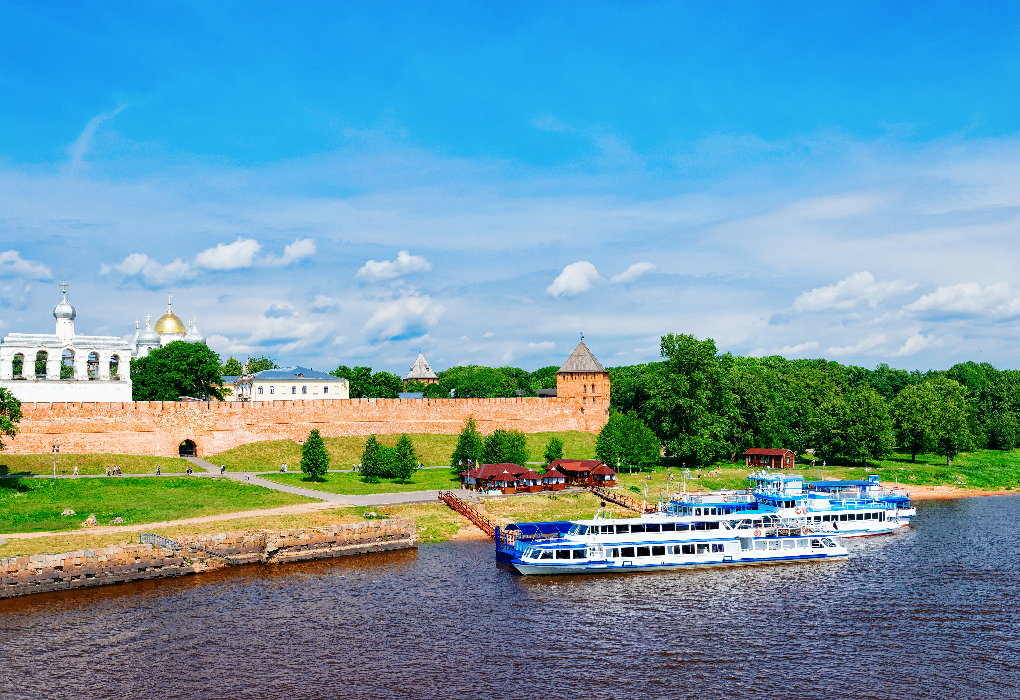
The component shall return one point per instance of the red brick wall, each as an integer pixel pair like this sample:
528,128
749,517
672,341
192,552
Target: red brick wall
588,390
155,428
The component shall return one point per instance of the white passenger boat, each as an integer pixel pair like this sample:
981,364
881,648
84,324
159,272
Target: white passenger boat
660,541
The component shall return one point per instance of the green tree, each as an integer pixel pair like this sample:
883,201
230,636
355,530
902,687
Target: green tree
314,457
375,462
179,369
10,415
232,368
553,450
469,446
913,411
626,442
690,401
405,462
416,386
360,379
386,385
951,425
505,447
259,364
856,426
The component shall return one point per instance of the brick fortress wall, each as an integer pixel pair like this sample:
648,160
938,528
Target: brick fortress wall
158,428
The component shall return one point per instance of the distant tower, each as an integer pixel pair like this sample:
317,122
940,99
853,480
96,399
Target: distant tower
421,372
64,313
583,378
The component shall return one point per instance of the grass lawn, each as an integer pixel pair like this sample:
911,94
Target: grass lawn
33,505
345,451
540,507
352,483
89,464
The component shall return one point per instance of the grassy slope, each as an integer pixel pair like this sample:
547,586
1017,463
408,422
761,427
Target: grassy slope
345,451
89,464
33,505
352,483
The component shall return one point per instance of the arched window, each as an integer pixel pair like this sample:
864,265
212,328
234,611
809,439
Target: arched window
585,388
272,390
260,390
325,390
293,389
304,390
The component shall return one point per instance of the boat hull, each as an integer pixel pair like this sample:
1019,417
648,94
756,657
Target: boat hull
610,567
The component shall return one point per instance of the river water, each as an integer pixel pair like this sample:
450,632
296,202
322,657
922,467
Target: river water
930,612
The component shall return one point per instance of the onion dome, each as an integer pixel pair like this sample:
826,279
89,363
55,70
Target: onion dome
169,323
63,310
194,336
147,336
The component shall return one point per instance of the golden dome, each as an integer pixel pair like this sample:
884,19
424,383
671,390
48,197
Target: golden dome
169,323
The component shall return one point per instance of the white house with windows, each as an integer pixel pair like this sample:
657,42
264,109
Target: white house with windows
64,366
291,384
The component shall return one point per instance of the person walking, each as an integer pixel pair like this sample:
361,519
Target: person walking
158,472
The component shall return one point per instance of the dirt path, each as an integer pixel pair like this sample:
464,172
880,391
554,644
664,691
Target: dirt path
112,529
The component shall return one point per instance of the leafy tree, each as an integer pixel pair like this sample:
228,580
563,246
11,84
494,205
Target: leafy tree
1003,430
376,460
10,415
690,401
314,457
625,441
416,386
856,426
913,412
553,450
505,447
951,429
386,385
179,369
436,391
259,364
469,445
360,379
473,381
232,368
405,462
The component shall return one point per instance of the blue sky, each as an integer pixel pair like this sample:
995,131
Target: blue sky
350,183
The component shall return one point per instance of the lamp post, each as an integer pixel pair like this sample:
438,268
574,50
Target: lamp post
56,449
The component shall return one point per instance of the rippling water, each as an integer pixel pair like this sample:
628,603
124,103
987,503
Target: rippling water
929,612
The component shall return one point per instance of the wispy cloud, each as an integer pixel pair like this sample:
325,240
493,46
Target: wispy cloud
633,272
149,271
872,345
847,294
969,298
296,251
229,256
13,265
83,143
406,317
405,264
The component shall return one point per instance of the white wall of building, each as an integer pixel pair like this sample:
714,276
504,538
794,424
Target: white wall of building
50,391
280,390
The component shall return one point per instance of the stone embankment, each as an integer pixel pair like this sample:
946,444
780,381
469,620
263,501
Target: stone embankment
42,573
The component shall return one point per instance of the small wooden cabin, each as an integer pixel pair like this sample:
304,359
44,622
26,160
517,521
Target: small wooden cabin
529,482
578,472
553,480
763,458
603,476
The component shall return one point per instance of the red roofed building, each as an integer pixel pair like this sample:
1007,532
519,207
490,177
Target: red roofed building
762,458
529,482
603,476
485,477
579,471
553,480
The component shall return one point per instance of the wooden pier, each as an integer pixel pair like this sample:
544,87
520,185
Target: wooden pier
483,521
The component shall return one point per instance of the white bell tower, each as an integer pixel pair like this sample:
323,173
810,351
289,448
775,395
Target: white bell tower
64,313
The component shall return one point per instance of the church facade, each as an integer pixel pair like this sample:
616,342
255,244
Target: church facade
65,366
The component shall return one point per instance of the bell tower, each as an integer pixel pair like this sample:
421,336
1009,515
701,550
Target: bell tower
64,313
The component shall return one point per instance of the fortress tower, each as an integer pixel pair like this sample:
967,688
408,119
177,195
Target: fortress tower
584,379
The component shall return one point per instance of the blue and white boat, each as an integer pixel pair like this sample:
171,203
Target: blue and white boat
661,541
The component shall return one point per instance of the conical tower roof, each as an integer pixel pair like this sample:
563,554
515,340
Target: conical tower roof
420,370
581,360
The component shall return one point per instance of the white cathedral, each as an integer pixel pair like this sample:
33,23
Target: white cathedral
82,367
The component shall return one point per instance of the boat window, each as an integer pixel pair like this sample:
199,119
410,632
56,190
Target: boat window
702,549
687,548
816,543
563,554
607,529
614,553
713,526
580,554
802,543
547,554
697,511
682,527
828,542
650,527
637,528
818,518
622,529
881,516
761,544
669,527
718,548
842,517
825,518
860,516
698,526
643,552
627,552
774,544
789,544
659,551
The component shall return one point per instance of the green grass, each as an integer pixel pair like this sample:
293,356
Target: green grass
345,451
89,464
34,505
352,483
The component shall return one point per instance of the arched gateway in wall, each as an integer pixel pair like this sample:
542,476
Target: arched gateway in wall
188,448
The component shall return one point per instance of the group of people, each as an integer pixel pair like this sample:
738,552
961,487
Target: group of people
114,472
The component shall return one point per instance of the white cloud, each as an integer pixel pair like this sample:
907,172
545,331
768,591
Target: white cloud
872,345
633,272
914,344
797,349
465,338
538,347
12,264
151,272
229,256
488,334
83,143
848,293
298,250
376,270
323,303
405,317
576,278
968,298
